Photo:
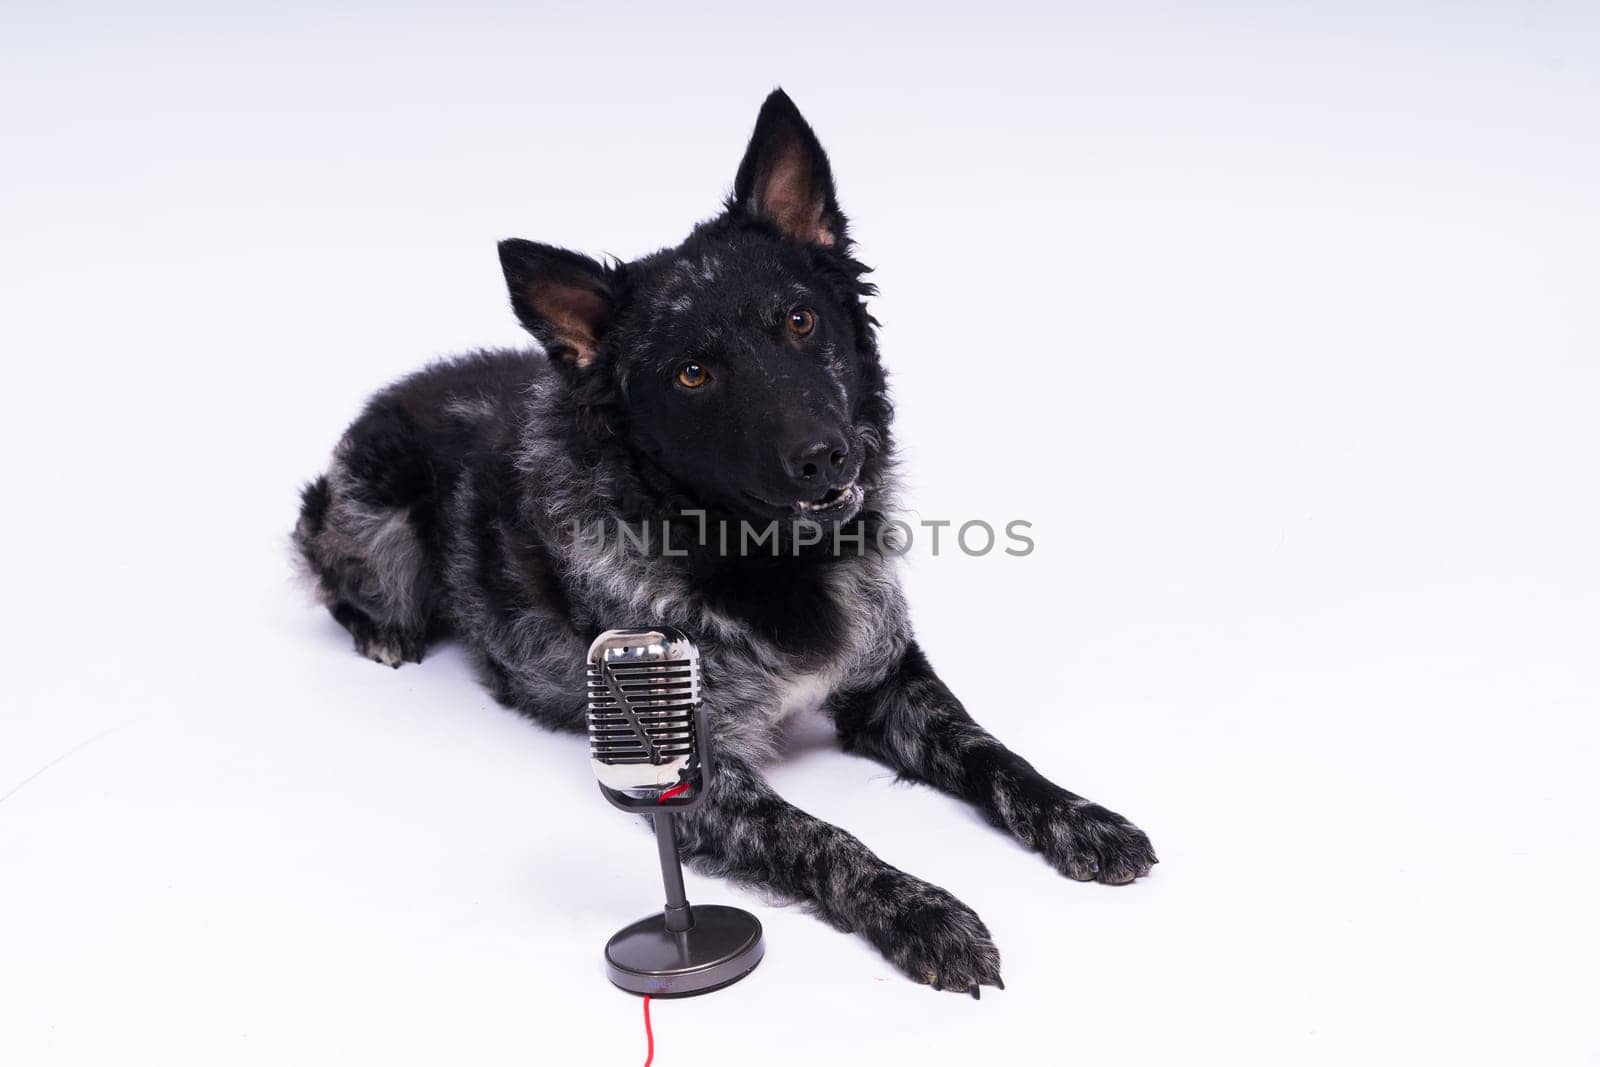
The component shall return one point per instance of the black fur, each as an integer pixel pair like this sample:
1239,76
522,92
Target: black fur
734,378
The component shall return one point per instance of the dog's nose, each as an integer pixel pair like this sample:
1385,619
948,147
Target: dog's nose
818,460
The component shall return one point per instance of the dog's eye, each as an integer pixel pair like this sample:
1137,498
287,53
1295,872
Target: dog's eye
802,321
693,376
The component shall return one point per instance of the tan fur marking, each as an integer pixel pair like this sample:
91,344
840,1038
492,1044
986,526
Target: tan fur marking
788,199
573,311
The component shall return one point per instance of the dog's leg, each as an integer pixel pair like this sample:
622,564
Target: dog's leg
745,831
370,567
914,725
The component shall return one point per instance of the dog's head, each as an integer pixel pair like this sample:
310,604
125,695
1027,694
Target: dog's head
742,364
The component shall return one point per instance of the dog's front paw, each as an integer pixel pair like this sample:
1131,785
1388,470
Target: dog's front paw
1092,844
937,940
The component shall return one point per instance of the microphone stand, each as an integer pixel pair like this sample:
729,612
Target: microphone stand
684,949
678,915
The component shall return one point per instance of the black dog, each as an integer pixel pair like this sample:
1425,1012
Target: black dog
723,402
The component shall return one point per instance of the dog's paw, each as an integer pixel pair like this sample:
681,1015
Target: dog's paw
1092,844
937,940
388,645
391,649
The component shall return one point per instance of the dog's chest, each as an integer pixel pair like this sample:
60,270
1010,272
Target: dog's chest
859,631
802,692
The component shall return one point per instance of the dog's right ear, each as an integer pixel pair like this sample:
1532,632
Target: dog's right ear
560,297
785,178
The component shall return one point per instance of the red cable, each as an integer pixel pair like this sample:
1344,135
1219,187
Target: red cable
649,1035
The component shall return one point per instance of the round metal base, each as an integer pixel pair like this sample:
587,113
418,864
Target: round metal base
722,947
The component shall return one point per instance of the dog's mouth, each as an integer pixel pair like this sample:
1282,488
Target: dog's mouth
828,501
846,498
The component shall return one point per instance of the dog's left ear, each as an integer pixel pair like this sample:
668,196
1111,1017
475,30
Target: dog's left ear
785,177
560,297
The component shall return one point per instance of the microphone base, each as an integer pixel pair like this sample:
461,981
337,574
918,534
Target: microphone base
722,946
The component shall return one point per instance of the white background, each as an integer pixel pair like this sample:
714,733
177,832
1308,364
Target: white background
1281,329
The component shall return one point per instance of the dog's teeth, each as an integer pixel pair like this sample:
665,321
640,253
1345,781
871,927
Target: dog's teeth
819,505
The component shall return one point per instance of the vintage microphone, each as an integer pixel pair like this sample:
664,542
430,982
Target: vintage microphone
652,755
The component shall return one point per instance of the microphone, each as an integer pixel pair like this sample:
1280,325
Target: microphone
651,754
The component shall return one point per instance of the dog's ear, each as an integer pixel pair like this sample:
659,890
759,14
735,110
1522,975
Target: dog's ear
561,298
785,177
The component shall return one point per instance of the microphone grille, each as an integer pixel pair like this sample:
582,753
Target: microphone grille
643,688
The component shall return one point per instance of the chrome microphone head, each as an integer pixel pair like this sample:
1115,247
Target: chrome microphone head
645,728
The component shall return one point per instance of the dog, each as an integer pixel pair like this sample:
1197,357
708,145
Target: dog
734,379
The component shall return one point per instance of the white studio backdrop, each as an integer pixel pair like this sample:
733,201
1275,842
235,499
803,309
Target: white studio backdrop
1278,326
